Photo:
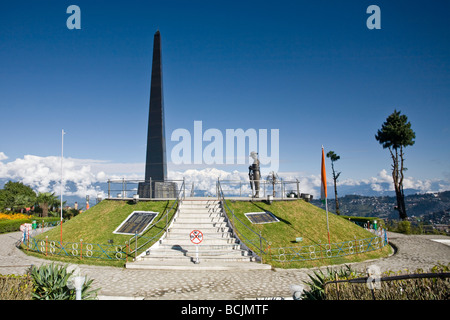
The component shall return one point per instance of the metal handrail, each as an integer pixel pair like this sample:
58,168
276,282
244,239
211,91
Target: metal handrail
328,250
236,232
124,184
136,237
280,184
392,278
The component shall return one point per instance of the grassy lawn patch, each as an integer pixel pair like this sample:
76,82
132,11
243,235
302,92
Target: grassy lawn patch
96,226
297,219
300,219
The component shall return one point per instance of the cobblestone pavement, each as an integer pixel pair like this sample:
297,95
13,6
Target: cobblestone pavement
413,251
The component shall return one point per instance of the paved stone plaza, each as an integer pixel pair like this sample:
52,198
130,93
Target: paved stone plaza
414,251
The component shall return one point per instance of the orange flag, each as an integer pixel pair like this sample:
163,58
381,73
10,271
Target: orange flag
323,191
323,178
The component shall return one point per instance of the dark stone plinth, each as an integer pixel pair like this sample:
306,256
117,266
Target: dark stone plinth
157,189
144,190
165,189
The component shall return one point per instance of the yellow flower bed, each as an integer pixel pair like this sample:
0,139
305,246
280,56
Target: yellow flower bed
13,216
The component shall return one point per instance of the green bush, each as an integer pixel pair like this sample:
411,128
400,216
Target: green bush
14,225
404,227
13,287
319,278
363,220
51,283
410,288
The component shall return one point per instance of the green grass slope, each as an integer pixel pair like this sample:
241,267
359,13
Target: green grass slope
302,219
97,224
297,219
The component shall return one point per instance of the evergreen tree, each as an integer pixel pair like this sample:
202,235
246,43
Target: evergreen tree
334,157
395,135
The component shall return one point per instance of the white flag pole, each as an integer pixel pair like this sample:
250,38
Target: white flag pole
62,156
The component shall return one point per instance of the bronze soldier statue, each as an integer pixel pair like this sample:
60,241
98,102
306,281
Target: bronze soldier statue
254,174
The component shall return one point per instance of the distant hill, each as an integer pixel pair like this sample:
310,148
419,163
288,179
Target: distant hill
429,206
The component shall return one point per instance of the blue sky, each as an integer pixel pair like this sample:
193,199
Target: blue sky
311,69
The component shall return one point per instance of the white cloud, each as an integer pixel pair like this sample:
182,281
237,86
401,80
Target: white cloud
43,174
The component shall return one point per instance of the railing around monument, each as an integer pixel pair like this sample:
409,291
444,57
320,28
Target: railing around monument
128,189
280,189
254,241
326,250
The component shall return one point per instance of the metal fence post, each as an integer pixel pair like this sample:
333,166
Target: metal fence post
264,182
260,247
135,242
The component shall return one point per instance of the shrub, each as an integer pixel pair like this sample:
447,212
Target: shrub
318,279
398,287
404,227
50,282
361,221
14,225
13,287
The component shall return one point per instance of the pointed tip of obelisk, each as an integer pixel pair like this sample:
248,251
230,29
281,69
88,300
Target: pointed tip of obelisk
157,32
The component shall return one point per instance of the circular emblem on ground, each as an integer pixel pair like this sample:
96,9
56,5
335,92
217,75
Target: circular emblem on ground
196,236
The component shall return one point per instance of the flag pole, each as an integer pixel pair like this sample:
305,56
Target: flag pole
324,191
62,156
328,227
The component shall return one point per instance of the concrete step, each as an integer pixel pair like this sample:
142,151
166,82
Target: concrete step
206,236
210,229
211,253
205,215
200,209
219,250
200,203
183,251
193,258
200,226
206,242
162,264
199,219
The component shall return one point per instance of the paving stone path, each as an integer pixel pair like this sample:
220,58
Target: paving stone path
413,251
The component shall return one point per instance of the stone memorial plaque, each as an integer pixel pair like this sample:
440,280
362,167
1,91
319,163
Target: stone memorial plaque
261,217
137,221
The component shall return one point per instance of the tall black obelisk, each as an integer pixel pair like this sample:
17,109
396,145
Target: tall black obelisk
155,164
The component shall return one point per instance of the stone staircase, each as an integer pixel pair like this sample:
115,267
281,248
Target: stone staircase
219,250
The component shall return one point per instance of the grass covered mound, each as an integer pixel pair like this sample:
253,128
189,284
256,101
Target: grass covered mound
300,219
297,218
97,224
